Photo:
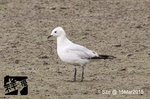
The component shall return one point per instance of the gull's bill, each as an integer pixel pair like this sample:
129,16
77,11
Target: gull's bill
49,36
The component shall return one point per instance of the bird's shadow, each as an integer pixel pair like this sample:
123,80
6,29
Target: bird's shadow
77,81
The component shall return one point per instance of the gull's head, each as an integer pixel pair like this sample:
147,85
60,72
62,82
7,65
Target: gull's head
58,31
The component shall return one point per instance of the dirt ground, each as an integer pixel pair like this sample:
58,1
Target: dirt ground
116,27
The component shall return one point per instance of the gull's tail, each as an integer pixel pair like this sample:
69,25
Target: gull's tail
103,57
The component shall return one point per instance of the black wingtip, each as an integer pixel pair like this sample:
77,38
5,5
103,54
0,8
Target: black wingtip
103,57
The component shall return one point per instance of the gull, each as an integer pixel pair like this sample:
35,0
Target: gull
72,53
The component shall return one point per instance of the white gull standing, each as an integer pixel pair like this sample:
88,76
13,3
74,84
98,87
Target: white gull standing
73,53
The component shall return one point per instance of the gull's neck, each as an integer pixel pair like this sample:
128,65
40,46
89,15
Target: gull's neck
62,41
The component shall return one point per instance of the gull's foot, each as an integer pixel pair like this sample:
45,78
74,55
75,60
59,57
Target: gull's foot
74,80
81,80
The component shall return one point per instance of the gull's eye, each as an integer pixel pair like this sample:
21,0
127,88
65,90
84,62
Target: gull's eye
55,31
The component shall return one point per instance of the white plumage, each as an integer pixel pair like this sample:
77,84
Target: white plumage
73,53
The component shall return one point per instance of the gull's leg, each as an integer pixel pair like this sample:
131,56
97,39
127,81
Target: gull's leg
82,73
75,73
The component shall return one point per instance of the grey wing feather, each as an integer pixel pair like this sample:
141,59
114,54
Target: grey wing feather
81,51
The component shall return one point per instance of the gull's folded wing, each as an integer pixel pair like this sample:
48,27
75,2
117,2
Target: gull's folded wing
81,51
